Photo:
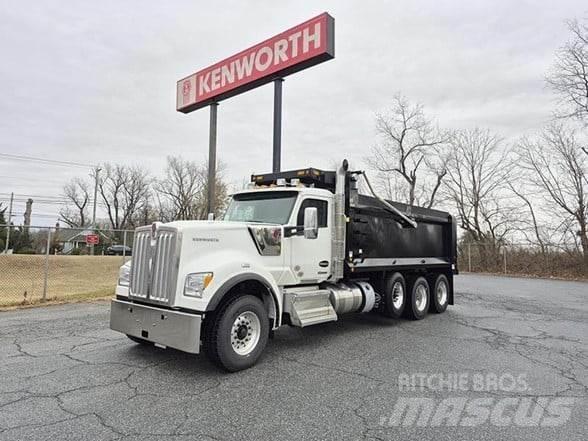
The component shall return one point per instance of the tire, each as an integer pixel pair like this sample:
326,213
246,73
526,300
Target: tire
440,294
418,301
140,340
394,296
237,334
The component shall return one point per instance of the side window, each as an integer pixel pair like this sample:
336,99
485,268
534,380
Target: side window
321,208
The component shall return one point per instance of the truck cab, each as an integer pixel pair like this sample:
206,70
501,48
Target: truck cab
277,257
297,260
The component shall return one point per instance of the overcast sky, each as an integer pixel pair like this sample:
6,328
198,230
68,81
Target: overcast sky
95,81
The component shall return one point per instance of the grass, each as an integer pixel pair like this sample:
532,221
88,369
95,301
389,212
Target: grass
70,278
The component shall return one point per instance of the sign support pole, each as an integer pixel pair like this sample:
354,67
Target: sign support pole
277,156
212,159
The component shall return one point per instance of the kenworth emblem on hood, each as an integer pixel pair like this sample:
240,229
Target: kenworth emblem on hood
154,227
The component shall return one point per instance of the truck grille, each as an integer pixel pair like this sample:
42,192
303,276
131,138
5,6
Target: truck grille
154,268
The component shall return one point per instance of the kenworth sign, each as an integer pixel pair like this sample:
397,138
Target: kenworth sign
302,46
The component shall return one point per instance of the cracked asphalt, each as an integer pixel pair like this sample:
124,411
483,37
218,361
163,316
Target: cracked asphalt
65,375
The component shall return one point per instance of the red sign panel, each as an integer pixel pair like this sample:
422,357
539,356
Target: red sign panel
92,239
305,45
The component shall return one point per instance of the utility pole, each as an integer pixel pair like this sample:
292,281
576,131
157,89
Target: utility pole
9,220
97,172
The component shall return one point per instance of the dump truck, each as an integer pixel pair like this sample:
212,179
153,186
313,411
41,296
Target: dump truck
295,248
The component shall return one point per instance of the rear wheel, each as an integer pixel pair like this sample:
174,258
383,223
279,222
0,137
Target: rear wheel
238,333
418,302
440,294
394,296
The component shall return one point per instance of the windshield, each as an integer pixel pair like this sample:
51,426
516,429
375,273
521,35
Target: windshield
272,207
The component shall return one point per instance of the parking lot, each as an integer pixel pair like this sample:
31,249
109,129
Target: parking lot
65,375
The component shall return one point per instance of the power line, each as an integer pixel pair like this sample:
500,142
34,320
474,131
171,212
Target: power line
52,202
39,196
45,161
34,195
47,184
28,195
39,215
28,178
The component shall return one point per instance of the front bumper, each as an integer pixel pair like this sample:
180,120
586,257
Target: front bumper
174,329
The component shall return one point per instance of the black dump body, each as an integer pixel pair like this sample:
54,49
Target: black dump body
376,241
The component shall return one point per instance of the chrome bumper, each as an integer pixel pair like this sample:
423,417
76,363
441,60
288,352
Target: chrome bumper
169,328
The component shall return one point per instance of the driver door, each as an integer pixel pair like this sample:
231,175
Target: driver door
310,259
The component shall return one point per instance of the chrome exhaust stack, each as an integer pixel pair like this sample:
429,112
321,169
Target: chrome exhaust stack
338,247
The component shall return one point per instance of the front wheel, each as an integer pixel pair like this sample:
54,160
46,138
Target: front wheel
238,333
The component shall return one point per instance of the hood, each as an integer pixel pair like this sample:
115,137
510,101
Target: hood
206,225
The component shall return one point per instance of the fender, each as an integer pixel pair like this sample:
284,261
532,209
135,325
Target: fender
242,277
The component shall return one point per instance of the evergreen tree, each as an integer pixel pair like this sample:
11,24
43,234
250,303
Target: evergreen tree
2,227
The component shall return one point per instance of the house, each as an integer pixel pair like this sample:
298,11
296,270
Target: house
69,240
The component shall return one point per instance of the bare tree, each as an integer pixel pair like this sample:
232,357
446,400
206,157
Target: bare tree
532,223
77,195
569,74
125,191
182,192
410,141
147,214
478,172
559,170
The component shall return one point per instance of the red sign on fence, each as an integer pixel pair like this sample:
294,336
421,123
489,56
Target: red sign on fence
92,239
305,45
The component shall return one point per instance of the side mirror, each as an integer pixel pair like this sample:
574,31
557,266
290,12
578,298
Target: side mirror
310,223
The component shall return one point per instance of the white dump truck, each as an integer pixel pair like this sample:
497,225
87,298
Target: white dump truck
296,248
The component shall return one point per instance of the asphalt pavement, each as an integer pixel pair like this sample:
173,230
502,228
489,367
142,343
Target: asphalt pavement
508,361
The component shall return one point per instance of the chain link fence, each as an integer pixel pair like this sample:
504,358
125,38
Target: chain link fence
40,264
521,259
48,263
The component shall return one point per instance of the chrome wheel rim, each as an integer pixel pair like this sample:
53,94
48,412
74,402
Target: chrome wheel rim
441,293
397,295
421,297
245,333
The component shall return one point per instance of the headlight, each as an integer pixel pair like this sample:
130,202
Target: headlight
124,275
196,283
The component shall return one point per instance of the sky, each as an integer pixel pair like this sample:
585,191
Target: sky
94,82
